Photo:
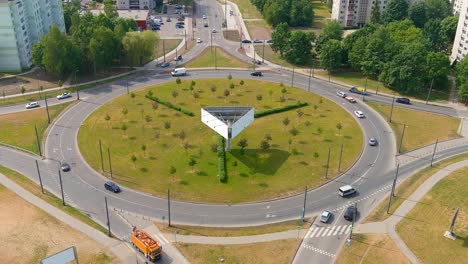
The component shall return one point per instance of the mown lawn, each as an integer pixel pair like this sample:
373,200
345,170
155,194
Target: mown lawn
423,228
422,128
171,139
279,252
168,46
17,129
248,10
223,59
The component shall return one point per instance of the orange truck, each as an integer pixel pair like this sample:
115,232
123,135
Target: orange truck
147,245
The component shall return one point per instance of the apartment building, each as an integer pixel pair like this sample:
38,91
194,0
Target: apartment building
355,12
136,4
456,6
460,44
23,23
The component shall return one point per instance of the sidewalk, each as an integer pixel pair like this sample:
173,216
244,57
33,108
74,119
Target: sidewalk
388,226
120,249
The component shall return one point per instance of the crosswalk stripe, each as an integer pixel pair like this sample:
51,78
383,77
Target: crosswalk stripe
313,232
331,230
308,232
325,232
336,230
347,229
342,229
320,231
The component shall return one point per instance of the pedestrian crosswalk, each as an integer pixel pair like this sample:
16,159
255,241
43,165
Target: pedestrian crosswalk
325,231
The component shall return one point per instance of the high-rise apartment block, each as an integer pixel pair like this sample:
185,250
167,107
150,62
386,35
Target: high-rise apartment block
135,4
460,44
23,23
355,12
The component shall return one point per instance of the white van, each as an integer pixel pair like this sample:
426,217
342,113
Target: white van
346,190
179,72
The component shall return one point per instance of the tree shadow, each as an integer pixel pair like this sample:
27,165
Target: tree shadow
262,161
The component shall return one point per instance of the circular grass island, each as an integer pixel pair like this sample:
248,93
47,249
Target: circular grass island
155,148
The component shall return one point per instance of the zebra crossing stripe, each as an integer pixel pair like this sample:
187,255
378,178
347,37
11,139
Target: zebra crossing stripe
347,229
320,231
331,230
342,229
313,232
336,230
325,232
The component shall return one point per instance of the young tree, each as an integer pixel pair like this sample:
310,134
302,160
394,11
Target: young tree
125,111
286,121
226,93
124,128
192,162
259,97
143,147
280,38
155,106
242,144
265,145
178,82
175,94
339,126
133,158
213,89
299,48
396,10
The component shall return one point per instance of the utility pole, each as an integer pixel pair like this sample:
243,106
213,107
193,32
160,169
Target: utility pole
433,154
169,207
263,52
401,140
100,152
164,51
110,164
47,108
185,37
390,198
77,88
352,223
40,178
225,13
329,70
211,41
341,154
328,163
395,180
308,87
108,220
254,61
391,110
292,79
304,207
216,65
176,60
313,61
61,185
37,140
430,90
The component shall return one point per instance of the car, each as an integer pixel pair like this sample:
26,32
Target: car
65,166
325,216
178,58
32,105
112,186
341,94
179,26
178,7
269,41
358,90
213,30
205,24
359,114
199,40
155,28
246,41
181,19
346,190
257,62
64,95
350,213
256,73
204,17
257,41
168,19
373,141
403,100
164,64
350,99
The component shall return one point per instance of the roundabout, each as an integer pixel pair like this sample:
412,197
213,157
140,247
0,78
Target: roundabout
151,145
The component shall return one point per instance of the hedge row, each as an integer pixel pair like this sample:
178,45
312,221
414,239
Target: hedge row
222,174
279,109
170,105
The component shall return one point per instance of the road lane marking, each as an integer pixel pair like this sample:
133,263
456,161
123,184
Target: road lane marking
331,230
318,250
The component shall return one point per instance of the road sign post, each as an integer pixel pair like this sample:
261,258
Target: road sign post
401,139
433,154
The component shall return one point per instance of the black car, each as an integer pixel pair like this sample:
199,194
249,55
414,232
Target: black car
65,166
178,58
403,100
350,213
256,73
269,41
246,41
111,186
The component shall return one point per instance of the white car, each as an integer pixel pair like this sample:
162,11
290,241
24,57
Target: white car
32,105
325,216
341,94
64,95
204,16
214,30
199,40
359,114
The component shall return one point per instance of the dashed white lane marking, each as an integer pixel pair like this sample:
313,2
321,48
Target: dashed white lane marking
318,250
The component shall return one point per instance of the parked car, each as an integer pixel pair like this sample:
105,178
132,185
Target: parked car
213,30
204,17
257,62
350,213
111,186
155,28
325,216
32,105
178,58
358,90
403,100
199,40
246,41
257,41
256,73
341,94
359,114
372,141
181,19
179,26
64,95
168,19
269,41
65,166
165,65
165,9
178,7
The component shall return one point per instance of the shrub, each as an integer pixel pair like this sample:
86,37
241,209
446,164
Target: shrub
170,105
280,109
221,160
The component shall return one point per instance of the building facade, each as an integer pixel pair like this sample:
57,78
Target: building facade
23,23
460,44
355,12
135,4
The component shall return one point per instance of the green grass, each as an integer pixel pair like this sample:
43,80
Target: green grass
371,248
321,10
248,10
40,96
223,59
275,58
35,189
259,174
238,231
17,129
423,227
169,45
406,188
258,29
422,128
278,252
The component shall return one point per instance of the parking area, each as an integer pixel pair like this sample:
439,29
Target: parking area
174,22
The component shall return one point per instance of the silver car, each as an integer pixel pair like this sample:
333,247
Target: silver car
325,216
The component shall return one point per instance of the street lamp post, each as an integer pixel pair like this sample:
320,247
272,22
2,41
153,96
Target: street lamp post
77,87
